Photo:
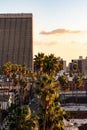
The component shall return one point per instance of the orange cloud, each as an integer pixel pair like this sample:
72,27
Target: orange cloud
38,43
52,43
60,31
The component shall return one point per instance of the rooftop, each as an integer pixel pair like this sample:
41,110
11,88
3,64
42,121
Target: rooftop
16,15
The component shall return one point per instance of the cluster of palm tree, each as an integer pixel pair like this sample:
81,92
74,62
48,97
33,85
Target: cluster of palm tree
46,87
20,77
47,64
51,114
77,81
65,85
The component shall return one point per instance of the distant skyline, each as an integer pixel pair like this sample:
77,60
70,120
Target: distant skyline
59,26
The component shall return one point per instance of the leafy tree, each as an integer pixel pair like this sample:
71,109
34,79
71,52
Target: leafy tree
51,114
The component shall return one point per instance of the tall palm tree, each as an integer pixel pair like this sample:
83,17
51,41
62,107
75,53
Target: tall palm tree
38,62
51,64
51,114
6,69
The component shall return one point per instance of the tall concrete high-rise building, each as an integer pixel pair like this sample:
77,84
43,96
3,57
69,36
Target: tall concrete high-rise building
16,39
81,65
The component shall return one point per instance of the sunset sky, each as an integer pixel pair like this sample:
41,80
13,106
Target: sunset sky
59,26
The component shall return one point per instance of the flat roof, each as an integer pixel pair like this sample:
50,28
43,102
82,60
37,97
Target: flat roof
16,15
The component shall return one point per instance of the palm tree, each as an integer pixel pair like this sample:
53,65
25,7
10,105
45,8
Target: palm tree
50,112
51,64
18,76
38,62
63,80
47,64
21,119
32,80
6,69
22,90
77,83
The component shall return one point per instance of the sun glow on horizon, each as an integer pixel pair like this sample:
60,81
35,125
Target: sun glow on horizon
68,44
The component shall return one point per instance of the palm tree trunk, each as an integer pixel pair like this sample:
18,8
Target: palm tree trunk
44,124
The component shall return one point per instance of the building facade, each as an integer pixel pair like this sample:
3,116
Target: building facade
16,39
81,64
